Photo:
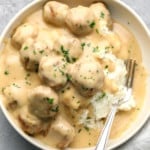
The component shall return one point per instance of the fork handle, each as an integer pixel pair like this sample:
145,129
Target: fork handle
103,139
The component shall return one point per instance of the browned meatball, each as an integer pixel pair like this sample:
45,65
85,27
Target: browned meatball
55,12
87,76
52,71
31,53
80,20
102,14
69,47
43,102
65,130
30,123
24,32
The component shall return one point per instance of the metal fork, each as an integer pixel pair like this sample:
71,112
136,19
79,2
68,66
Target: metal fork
103,139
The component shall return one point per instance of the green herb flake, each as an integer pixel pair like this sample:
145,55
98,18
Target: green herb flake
88,117
106,67
96,49
41,52
79,130
28,83
80,27
26,48
92,24
107,48
68,77
86,128
34,52
27,76
82,46
74,59
55,109
89,44
89,144
102,95
6,72
102,15
3,89
65,53
97,31
62,72
15,85
50,100
62,91
129,51
73,97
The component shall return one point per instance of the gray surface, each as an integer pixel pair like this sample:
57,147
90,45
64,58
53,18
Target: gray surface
9,139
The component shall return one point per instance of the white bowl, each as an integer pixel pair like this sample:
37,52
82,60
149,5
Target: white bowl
122,13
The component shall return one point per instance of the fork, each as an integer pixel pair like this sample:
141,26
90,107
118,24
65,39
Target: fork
103,139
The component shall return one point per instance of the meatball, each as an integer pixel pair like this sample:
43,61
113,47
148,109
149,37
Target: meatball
63,129
43,102
31,53
30,123
80,20
102,14
25,32
87,76
69,47
55,12
52,70
15,95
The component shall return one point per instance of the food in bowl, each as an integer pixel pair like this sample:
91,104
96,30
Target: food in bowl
63,68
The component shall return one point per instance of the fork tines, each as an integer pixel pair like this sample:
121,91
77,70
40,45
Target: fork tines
130,65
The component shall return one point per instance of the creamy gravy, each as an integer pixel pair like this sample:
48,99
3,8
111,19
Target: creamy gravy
13,72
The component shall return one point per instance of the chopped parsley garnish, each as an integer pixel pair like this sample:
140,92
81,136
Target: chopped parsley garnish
62,72
102,95
107,48
34,52
88,117
82,46
28,83
56,109
89,44
50,100
89,144
92,24
25,48
62,91
79,130
106,66
27,75
3,89
74,59
65,53
68,77
97,31
73,97
15,85
102,15
84,88
80,27
96,49
41,52
6,72
86,128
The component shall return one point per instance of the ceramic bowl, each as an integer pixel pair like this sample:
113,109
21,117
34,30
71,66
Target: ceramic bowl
122,13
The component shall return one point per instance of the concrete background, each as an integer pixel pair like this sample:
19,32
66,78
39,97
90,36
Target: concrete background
9,138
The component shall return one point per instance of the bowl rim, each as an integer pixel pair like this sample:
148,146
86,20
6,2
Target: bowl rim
6,113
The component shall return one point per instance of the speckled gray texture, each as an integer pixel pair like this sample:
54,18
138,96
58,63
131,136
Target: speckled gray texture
9,138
